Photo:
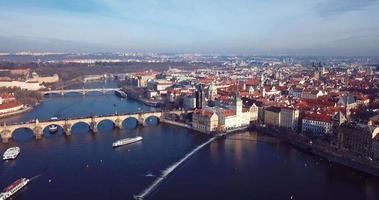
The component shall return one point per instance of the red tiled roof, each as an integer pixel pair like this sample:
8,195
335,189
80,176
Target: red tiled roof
228,112
10,105
318,117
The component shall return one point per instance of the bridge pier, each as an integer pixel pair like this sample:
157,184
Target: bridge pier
5,136
38,132
141,121
67,128
93,128
118,123
93,125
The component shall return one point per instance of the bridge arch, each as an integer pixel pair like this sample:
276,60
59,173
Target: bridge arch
22,134
105,124
80,127
151,120
48,94
95,92
47,132
72,93
130,122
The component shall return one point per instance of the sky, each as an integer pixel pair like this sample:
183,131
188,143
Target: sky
238,27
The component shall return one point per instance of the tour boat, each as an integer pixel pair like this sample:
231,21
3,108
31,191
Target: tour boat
126,141
13,188
11,153
53,128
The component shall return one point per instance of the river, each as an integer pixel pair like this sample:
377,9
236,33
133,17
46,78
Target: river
84,166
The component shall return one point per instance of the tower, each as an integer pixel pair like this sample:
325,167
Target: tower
337,136
200,97
212,92
238,104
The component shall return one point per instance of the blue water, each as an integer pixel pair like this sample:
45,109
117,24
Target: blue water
84,166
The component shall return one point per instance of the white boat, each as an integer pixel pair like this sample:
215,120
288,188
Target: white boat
53,128
126,141
11,153
13,188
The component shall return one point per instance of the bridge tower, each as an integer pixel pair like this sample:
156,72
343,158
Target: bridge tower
103,91
5,133
38,131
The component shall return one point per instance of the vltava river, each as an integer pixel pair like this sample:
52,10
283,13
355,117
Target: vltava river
84,165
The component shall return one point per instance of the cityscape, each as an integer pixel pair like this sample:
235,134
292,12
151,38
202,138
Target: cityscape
223,116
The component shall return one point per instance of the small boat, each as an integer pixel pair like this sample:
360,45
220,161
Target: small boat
53,128
120,93
11,153
13,188
126,141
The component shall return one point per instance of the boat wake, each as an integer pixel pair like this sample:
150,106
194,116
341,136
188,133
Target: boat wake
36,176
169,170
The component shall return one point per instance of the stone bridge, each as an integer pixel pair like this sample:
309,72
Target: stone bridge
81,91
37,126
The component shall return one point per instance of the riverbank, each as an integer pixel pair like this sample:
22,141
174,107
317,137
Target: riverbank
21,111
325,151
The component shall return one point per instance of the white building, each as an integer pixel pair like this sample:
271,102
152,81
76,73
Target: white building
316,124
22,85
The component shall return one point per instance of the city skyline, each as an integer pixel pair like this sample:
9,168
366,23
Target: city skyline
323,27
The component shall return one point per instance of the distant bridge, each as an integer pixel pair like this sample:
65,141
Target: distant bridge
82,91
37,126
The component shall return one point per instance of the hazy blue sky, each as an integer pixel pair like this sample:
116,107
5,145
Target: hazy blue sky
313,27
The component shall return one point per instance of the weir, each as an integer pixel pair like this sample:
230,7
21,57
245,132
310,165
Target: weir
169,170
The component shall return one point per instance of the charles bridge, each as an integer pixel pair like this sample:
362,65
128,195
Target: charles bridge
38,126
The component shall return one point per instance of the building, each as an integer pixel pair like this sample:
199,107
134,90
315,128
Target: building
205,121
336,137
289,118
189,102
347,101
357,138
295,92
159,85
316,124
212,92
272,116
23,85
140,79
200,97
10,107
20,72
375,145
313,94
44,79
5,98
254,112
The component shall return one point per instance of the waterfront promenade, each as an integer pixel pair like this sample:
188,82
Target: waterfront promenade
324,150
